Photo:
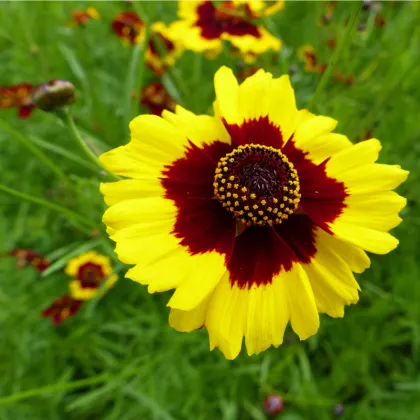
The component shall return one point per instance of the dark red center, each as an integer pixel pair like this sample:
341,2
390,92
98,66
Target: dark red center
90,275
257,184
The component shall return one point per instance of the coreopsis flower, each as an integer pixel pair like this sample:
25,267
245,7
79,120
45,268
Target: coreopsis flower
81,17
309,56
340,77
379,21
328,13
162,50
26,257
129,27
204,25
89,272
19,97
256,217
156,99
61,309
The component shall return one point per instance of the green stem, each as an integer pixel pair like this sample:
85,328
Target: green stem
68,120
337,53
68,386
138,83
35,150
130,85
52,206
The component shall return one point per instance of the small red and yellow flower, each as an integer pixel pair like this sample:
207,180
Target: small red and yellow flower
309,56
379,21
340,77
328,13
156,99
163,49
61,309
89,271
81,17
18,96
204,25
31,257
255,217
129,27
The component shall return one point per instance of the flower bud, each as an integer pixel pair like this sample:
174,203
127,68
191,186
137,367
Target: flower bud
338,409
54,94
273,404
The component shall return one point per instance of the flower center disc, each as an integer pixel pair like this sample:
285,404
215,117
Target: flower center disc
257,184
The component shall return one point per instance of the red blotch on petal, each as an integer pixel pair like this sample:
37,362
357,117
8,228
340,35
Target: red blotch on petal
202,224
213,22
322,197
260,253
257,131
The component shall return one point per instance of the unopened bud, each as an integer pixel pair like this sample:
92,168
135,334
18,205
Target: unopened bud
273,404
338,410
54,94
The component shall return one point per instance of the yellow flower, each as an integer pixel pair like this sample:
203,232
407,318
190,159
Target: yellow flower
256,9
204,26
256,217
308,55
163,50
90,270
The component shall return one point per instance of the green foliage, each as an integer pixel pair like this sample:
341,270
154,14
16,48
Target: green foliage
119,359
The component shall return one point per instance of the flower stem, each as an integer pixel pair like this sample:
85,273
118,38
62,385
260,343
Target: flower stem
35,150
52,206
68,120
337,53
138,82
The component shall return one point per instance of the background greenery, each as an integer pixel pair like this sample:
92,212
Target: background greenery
119,359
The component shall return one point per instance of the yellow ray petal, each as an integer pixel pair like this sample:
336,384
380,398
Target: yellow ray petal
304,316
371,178
331,279
368,239
227,92
374,211
363,153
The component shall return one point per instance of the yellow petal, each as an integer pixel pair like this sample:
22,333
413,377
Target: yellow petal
374,211
304,316
268,315
282,108
205,274
254,95
199,129
126,189
139,211
331,279
227,92
311,128
325,146
251,44
372,178
187,321
355,257
368,239
363,153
